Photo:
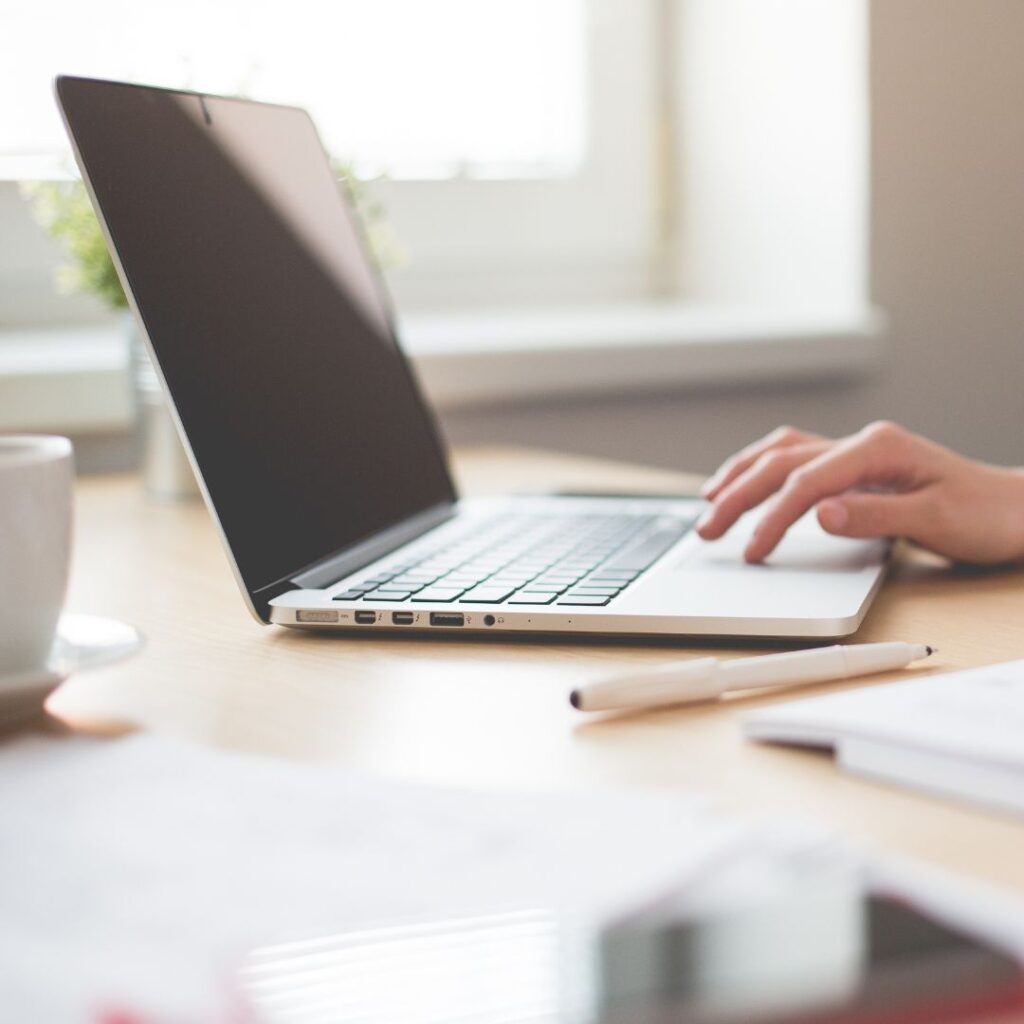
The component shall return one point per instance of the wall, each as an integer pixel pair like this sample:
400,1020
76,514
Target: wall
947,266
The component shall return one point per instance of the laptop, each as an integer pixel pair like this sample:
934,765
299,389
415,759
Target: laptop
317,453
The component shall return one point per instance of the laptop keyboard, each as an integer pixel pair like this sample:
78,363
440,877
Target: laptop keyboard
582,560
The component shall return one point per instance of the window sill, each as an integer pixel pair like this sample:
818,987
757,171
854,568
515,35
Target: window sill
75,379
478,357
72,379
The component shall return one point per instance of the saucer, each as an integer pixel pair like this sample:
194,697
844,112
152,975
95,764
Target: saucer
82,642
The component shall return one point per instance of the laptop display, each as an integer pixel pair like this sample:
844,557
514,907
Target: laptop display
269,323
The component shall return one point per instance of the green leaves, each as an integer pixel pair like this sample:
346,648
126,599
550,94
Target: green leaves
64,211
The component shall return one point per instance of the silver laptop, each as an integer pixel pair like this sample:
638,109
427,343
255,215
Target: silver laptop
318,456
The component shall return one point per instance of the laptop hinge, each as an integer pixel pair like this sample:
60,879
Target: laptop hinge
331,569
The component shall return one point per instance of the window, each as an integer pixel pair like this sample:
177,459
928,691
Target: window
514,134
649,167
446,89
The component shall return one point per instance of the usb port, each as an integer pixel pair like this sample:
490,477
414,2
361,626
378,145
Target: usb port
401,618
366,618
447,619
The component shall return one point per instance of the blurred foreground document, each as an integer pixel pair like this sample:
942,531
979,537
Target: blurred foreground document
137,874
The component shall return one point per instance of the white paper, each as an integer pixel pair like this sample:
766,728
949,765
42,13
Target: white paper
136,874
977,713
959,735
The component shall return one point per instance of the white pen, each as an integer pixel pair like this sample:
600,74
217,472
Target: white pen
704,679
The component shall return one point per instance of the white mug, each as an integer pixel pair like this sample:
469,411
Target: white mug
36,476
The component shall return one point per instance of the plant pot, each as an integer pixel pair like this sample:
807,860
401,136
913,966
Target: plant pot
166,472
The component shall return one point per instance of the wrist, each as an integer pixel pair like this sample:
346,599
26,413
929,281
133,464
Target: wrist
1017,505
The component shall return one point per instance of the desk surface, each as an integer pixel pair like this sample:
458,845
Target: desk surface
496,714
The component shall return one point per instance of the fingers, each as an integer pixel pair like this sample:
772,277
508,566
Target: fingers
875,515
783,437
879,453
761,480
970,514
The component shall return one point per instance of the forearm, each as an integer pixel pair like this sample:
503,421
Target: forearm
1014,512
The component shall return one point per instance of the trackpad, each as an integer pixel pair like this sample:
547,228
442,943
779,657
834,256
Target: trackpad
812,577
805,548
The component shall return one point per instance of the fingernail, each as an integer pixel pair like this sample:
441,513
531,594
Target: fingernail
833,515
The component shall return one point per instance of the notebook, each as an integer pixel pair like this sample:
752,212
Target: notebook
959,735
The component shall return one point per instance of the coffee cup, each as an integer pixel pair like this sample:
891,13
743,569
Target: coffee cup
36,477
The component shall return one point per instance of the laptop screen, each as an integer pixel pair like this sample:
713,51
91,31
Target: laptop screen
269,324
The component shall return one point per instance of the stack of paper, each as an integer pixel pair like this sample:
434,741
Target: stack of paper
958,735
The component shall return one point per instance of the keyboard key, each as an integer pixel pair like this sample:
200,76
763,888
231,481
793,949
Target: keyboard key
549,588
584,600
405,583
388,595
486,595
351,595
439,595
531,597
626,575
460,585
615,585
638,557
593,592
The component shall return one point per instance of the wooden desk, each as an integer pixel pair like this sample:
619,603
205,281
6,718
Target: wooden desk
495,714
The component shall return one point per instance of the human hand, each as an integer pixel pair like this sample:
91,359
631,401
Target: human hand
880,482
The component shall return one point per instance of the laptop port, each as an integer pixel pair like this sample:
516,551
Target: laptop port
447,619
315,615
401,618
366,618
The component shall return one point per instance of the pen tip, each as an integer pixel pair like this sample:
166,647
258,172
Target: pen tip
931,650
574,699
